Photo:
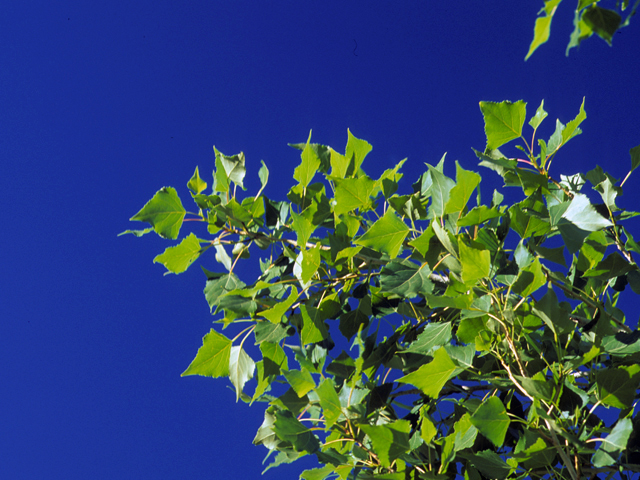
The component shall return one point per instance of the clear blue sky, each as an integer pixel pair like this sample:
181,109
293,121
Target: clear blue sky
103,103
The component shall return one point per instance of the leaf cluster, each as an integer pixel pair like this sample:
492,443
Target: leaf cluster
426,334
589,18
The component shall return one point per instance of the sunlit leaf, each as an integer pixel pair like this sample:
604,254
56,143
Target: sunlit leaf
389,440
502,121
212,359
196,184
177,259
164,212
386,235
431,377
307,169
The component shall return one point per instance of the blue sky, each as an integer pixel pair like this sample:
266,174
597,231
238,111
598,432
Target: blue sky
103,103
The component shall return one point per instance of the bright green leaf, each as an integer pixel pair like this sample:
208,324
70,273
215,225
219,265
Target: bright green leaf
353,193
212,359
491,420
476,263
431,377
196,184
329,402
503,121
177,259
307,169
164,212
389,440
301,381
466,183
386,235
275,313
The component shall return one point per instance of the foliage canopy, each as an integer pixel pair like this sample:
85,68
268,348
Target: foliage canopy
423,334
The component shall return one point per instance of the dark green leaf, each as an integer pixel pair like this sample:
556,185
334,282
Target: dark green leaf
491,420
615,443
603,21
405,278
329,401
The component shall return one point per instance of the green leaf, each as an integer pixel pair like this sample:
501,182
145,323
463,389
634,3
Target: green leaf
503,121
431,377
478,215
466,183
540,115
196,184
212,359
389,440
542,27
270,332
317,473
177,259
164,212
615,387
307,169
490,464
229,169
603,21
303,228
621,344
615,443
571,130
330,402
578,220
137,233
555,315
434,334
314,329
290,429
476,263
635,157
530,279
275,313
355,152
386,235
441,186
405,278
218,285
465,433
491,420
263,175
301,381
353,193
241,368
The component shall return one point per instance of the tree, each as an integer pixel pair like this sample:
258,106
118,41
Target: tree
589,18
423,334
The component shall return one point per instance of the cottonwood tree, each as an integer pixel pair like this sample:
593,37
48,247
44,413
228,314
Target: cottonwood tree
416,330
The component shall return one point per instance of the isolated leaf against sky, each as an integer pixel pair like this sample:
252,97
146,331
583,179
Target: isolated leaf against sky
503,121
385,235
431,377
540,115
241,368
177,259
542,26
602,21
196,184
164,212
212,359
